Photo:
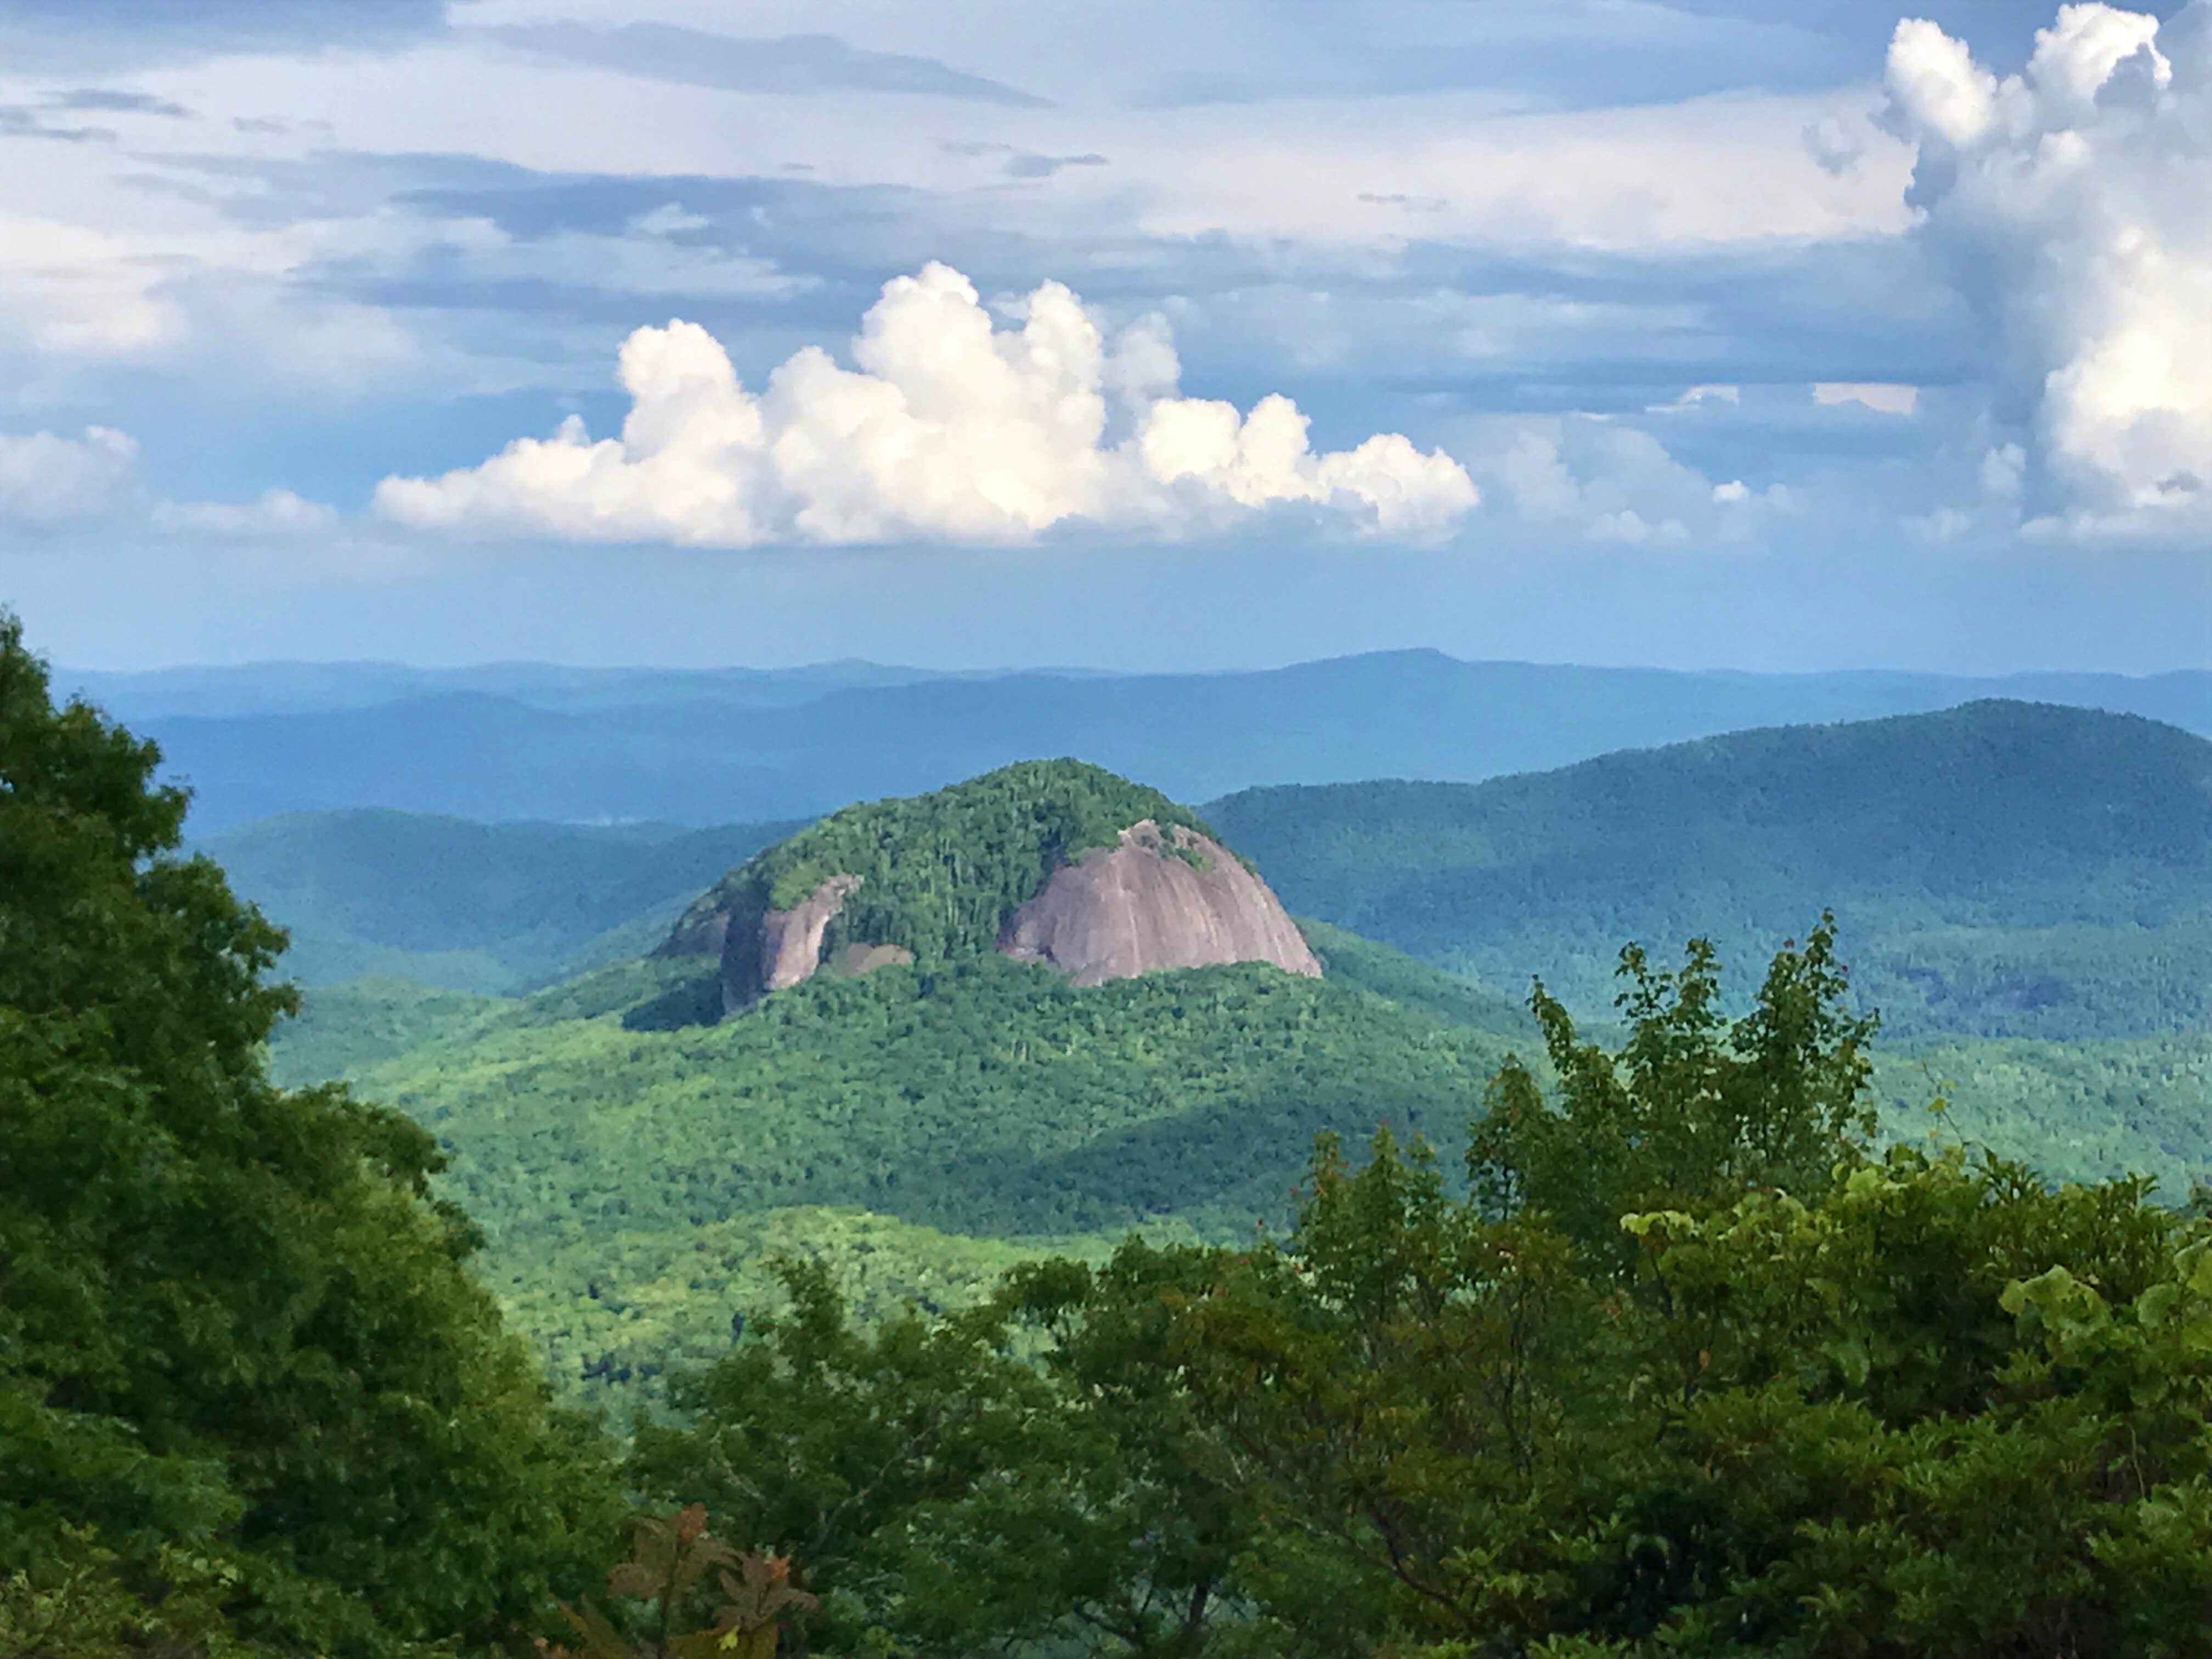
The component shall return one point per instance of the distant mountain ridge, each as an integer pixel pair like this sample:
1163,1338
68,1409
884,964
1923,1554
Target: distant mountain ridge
2001,869
301,688
706,747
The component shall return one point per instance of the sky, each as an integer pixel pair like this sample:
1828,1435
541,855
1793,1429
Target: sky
1763,334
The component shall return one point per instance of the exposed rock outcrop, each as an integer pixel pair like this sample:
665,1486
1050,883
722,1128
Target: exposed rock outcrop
1175,899
1054,862
784,948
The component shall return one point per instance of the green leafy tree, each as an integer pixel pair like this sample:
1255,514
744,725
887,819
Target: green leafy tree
1404,1392
1946,1409
1693,1106
825,1442
233,1318
79,1601
1028,1470
1121,1527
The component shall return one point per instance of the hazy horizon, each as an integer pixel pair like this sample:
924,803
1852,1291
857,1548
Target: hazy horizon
1047,670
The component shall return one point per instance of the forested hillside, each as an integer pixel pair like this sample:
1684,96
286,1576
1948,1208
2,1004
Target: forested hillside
470,907
919,1132
637,1167
987,1100
2002,869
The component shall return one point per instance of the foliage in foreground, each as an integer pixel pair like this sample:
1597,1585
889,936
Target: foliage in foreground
246,1384
1783,1396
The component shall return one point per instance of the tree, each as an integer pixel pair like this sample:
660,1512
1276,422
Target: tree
1125,1522
1693,1106
1945,1409
1404,1392
824,1442
1023,1471
235,1317
1811,1402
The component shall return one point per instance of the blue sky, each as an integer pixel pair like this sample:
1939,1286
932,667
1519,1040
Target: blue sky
1708,333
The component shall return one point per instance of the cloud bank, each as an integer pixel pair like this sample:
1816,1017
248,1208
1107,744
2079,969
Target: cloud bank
2069,204
950,429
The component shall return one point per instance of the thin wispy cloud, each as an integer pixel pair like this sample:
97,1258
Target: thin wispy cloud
790,65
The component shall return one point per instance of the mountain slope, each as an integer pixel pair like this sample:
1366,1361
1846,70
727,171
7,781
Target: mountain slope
920,1132
2002,869
987,1097
469,907
707,748
920,1129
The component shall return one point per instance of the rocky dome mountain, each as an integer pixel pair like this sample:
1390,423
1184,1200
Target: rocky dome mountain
1055,862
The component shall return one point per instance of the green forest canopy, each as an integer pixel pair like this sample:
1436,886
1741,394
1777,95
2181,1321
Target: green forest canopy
1750,1391
953,1120
2002,869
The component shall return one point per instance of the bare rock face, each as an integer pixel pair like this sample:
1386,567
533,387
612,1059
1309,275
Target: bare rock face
1172,899
784,949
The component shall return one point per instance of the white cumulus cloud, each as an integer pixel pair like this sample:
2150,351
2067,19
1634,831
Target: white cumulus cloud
2071,203
946,427
47,479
